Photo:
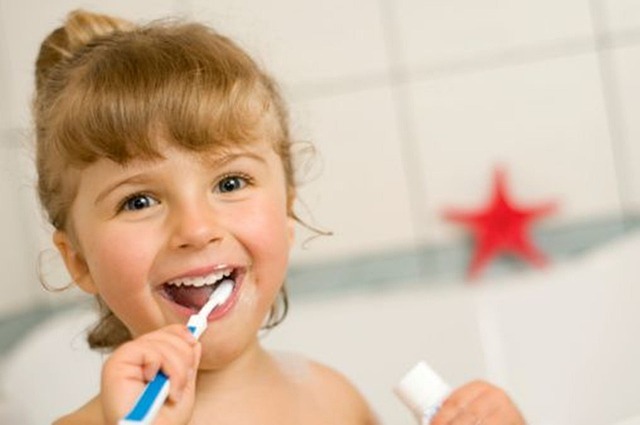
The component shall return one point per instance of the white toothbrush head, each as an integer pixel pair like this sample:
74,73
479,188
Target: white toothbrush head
218,297
198,322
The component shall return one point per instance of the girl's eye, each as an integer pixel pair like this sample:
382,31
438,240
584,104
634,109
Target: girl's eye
138,202
232,183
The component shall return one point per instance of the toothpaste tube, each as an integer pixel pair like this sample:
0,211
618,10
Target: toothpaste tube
422,391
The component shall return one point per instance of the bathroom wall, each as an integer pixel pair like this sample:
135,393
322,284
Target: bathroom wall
411,105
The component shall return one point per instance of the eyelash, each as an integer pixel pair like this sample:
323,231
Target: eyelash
247,181
139,195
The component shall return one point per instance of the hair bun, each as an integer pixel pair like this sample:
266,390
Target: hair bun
80,28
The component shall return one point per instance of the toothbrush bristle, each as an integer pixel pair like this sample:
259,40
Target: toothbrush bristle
222,292
218,296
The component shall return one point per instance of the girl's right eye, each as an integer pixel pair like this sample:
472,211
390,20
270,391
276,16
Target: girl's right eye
137,202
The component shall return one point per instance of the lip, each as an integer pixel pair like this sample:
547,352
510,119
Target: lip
220,311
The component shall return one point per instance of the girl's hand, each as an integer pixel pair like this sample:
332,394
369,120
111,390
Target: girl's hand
127,371
478,403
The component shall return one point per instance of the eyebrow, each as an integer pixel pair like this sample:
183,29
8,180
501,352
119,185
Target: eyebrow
227,157
215,160
136,178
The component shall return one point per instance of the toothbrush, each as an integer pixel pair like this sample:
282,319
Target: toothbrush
156,391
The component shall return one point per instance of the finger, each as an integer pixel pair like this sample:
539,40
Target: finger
460,417
176,334
152,363
183,379
182,332
177,362
192,375
491,401
466,417
170,350
459,401
465,395
504,411
173,346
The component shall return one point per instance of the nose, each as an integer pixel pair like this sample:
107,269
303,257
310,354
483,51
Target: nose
195,226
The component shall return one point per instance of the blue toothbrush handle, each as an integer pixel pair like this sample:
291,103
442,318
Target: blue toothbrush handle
149,402
152,398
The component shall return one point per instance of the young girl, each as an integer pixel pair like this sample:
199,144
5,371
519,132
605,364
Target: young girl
164,164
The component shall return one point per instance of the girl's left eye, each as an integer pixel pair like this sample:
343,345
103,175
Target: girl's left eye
232,183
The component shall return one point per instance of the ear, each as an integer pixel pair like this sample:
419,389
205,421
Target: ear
74,262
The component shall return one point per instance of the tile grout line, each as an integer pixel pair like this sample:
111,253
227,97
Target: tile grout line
409,145
612,103
518,56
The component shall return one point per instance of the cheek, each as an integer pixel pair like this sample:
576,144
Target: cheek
266,234
116,259
119,269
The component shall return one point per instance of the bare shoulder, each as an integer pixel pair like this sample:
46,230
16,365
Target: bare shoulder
340,394
89,414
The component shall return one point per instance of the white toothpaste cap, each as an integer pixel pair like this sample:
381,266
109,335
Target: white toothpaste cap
422,389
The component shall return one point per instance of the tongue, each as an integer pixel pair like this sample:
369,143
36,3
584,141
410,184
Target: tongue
190,296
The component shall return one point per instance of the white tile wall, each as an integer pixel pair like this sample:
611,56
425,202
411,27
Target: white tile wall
357,186
304,42
626,70
437,32
545,122
16,253
621,15
5,92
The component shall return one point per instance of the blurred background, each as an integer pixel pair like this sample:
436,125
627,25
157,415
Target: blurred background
411,106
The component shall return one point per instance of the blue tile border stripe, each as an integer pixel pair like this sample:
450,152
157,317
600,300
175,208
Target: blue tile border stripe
425,265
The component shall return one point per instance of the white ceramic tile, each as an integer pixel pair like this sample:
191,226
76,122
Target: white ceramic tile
621,15
19,284
545,122
436,32
356,186
28,255
625,71
26,23
5,99
302,42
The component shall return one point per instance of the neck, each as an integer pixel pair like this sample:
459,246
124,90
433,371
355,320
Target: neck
251,366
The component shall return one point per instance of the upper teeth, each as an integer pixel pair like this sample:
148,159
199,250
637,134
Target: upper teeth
199,281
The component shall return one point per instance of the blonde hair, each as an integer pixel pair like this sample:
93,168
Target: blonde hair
105,87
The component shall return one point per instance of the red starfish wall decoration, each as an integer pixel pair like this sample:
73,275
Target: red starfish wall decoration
501,227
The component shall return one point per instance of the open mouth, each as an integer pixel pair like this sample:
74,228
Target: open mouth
194,292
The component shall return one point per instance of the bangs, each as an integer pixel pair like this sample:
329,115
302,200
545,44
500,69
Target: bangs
191,86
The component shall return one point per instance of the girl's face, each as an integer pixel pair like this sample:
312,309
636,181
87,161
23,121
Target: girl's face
148,235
